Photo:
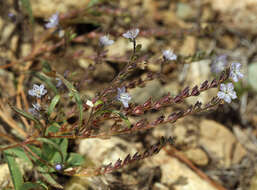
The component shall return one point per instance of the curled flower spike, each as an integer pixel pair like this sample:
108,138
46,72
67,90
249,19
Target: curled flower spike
227,92
219,64
123,97
105,41
37,91
58,167
53,21
169,55
131,34
235,73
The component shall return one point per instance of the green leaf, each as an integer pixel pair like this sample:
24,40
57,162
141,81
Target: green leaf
19,152
46,66
30,185
25,114
49,152
14,170
75,159
123,117
54,102
26,5
138,47
93,2
76,95
54,128
45,79
49,179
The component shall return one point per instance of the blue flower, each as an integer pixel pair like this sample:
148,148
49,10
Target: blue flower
123,97
53,21
37,91
219,64
227,92
105,41
235,73
131,34
58,167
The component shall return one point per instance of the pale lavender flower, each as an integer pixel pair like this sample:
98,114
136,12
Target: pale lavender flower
53,21
35,110
235,73
123,97
90,103
219,64
227,92
105,41
131,34
37,91
169,55
58,167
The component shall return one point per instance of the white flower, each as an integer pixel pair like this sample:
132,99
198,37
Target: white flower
235,72
123,96
53,21
227,92
105,41
131,34
219,64
169,55
90,103
37,91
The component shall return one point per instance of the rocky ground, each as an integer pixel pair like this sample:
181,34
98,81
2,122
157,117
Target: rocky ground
215,150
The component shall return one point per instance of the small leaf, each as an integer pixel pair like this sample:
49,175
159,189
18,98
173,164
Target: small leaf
75,159
51,180
25,114
26,5
93,2
19,152
29,186
54,145
123,117
14,170
138,47
54,102
76,95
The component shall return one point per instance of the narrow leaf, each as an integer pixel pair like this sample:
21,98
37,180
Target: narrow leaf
19,152
29,186
76,95
54,102
25,114
26,5
49,179
50,142
14,170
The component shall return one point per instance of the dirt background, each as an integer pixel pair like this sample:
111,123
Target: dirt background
214,150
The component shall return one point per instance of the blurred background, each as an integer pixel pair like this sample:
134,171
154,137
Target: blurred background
213,150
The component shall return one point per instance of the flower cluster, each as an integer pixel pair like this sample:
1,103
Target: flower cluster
227,90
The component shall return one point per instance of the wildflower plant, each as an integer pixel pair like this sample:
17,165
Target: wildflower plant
44,145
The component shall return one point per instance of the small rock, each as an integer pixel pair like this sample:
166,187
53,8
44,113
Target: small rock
220,143
252,77
197,156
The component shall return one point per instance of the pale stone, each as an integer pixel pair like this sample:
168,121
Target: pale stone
220,143
197,156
